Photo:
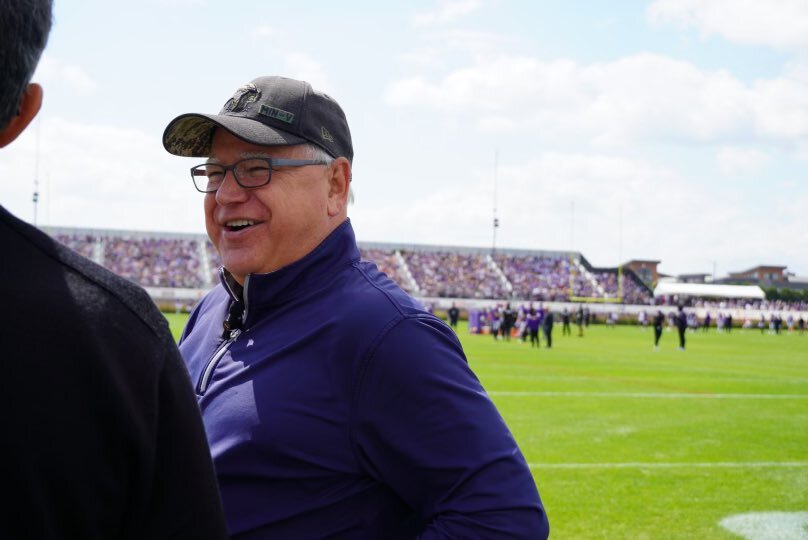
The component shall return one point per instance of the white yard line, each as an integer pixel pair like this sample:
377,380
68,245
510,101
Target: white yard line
768,525
672,465
658,395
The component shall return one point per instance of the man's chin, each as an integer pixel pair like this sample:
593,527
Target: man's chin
238,269
240,262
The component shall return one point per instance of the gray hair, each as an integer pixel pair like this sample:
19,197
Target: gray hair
24,29
315,152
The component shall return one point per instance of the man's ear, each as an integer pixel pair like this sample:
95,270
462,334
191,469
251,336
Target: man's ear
339,187
31,102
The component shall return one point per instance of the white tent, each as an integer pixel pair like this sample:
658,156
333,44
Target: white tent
707,290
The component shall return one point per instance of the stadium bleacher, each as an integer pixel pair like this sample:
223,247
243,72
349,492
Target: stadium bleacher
155,262
177,269
392,265
188,261
454,275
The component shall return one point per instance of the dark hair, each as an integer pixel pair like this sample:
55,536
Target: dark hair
24,29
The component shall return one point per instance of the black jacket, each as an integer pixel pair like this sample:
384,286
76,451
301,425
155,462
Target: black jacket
102,435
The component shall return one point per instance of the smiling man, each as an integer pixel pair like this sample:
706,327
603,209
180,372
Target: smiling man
335,405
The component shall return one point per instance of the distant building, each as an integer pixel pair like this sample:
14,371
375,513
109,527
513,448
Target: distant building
646,270
764,275
694,278
798,282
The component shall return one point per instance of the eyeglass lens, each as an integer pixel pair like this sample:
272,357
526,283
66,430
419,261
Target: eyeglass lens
248,173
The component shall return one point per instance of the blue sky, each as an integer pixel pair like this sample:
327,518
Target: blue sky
674,130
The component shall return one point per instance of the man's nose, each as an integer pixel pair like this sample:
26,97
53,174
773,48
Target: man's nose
230,191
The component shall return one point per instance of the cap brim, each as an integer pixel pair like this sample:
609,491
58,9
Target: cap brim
191,135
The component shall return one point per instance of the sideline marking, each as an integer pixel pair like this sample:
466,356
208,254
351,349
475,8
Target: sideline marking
669,465
663,395
768,525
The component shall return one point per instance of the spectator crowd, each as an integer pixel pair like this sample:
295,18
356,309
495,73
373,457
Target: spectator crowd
188,261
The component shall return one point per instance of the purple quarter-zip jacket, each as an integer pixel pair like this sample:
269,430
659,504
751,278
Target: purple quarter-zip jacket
342,409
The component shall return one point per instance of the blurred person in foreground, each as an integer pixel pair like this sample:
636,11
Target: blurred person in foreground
681,326
102,436
659,321
335,405
547,327
454,315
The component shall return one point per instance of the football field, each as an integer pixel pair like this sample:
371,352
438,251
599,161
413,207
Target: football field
627,442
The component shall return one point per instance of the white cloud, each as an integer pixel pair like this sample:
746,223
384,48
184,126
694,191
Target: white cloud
439,47
732,160
778,23
639,97
780,106
422,58
263,31
303,67
447,11
100,176
623,208
496,124
297,64
52,70
470,41
533,200
503,83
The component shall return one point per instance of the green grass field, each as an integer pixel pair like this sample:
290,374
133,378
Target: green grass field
630,443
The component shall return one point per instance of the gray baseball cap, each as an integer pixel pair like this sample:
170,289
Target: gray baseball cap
268,111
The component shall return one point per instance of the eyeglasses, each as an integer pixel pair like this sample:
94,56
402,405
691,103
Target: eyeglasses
249,173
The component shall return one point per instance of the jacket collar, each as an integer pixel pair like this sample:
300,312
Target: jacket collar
337,251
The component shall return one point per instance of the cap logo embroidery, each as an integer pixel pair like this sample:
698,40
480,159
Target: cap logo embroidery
325,134
277,114
244,95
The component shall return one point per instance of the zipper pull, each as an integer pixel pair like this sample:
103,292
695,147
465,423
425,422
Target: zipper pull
233,321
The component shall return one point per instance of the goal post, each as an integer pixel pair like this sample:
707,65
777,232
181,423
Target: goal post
574,271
